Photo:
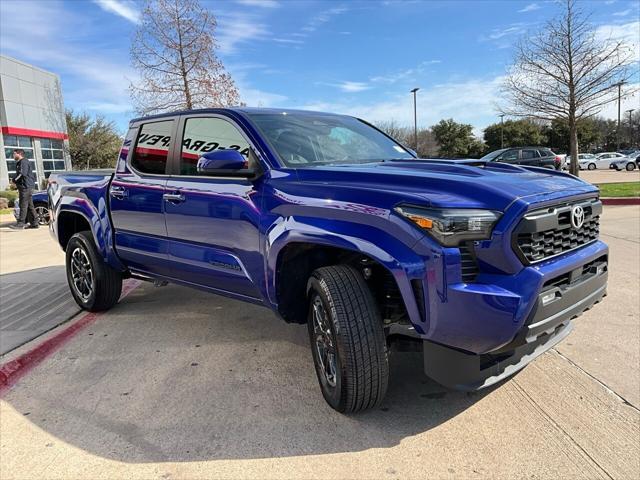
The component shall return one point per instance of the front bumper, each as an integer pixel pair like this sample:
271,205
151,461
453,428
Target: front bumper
559,301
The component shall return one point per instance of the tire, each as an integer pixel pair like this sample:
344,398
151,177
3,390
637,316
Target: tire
344,322
43,213
99,289
630,166
591,166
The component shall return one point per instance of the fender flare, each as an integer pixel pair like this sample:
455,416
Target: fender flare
99,223
401,261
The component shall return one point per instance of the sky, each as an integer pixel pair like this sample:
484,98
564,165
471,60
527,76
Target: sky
356,57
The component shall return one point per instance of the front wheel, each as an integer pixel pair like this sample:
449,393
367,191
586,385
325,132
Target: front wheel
347,340
592,166
95,286
630,167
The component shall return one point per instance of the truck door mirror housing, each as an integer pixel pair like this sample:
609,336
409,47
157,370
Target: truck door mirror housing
224,163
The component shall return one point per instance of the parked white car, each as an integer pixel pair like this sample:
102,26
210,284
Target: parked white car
587,161
624,163
603,160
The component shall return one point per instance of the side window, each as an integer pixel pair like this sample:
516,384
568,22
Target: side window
206,134
509,156
529,154
152,147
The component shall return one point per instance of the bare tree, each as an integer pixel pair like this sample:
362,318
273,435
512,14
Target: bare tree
174,53
565,72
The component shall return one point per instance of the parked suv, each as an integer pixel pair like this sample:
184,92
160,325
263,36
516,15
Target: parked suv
328,222
528,156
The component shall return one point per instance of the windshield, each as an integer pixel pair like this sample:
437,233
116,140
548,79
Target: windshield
490,156
304,140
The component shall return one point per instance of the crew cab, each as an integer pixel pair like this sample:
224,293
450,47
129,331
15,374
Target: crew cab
328,222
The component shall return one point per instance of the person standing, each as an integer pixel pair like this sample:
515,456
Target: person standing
26,183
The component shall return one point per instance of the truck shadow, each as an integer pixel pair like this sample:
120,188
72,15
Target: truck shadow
175,375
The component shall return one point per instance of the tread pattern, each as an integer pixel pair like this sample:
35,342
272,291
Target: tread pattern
361,343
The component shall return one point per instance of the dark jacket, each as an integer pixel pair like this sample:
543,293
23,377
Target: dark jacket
25,177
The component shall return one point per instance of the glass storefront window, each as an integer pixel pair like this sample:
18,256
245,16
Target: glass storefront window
15,141
52,150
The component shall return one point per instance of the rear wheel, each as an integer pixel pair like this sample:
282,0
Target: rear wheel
347,340
94,285
591,166
630,166
43,213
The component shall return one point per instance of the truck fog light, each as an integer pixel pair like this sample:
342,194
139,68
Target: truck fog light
548,298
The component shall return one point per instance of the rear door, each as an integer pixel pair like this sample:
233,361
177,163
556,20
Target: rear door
529,157
136,197
213,222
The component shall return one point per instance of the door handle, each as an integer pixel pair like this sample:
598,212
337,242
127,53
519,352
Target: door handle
118,192
173,197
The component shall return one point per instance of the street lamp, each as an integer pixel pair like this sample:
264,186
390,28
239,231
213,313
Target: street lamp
415,119
619,85
501,130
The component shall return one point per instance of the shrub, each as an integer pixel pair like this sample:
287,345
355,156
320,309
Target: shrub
11,196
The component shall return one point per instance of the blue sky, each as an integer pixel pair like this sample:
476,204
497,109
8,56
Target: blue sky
356,57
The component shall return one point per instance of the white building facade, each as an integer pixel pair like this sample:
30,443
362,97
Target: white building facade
31,118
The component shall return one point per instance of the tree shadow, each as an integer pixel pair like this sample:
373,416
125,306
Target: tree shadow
172,375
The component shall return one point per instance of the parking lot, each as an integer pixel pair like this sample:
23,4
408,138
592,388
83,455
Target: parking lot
175,383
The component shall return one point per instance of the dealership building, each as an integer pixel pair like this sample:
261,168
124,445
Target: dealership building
31,118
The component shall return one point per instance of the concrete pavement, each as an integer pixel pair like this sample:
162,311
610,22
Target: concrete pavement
176,383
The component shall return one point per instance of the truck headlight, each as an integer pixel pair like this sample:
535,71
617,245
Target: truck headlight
452,226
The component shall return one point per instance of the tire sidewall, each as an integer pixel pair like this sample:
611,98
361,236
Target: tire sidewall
333,395
630,167
80,241
591,166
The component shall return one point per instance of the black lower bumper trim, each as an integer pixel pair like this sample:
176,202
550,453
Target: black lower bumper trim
466,371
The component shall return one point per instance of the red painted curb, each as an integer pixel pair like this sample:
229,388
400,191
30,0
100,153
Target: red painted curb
12,371
621,201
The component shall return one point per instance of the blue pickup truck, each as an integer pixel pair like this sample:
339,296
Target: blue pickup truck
329,222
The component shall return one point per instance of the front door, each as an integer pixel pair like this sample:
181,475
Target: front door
212,222
136,198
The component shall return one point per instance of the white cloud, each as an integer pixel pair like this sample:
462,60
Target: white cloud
125,9
260,3
293,41
237,28
622,13
406,74
351,87
530,8
626,32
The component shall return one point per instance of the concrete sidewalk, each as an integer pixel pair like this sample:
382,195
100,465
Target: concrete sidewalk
177,383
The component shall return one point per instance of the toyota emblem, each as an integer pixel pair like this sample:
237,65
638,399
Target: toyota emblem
577,216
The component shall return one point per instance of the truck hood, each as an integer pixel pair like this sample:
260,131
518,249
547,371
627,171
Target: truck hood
454,184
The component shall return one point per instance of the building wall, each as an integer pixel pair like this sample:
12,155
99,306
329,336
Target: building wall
32,118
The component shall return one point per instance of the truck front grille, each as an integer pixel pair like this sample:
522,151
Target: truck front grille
548,232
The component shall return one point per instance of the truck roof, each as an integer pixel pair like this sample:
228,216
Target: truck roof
252,110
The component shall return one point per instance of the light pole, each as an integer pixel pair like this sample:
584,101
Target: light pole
618,129
630,111
415,119
501,130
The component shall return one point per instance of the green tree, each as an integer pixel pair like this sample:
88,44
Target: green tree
517,133
456,139
93,142
558,135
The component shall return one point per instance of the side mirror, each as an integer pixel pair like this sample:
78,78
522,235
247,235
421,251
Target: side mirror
224,163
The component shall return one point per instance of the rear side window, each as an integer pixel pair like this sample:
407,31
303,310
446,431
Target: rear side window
529,154
152,147
206,134
545,153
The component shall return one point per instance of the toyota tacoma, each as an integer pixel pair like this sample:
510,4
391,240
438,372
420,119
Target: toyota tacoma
329,222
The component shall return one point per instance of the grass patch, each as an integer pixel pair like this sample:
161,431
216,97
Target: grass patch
6,211
626,189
